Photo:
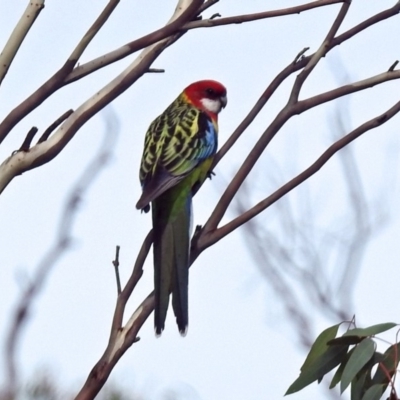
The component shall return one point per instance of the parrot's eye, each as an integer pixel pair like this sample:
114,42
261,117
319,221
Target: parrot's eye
210,92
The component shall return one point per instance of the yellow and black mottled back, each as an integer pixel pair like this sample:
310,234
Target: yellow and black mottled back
175,143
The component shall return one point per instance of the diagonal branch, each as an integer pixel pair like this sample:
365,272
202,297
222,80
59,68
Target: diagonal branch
44,152
321,52
56,81
239,19
18,35
297,65
130,48
315,167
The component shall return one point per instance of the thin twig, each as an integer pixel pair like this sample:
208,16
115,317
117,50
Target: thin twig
116,269
156,70
207,5
300,54
239,19
54,125
321,52
393,66
28,139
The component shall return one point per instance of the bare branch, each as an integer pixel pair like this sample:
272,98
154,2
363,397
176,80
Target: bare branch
121,338
44,152
393,66
116,269
54,125
28,139
130,48
18,35
296,66
261,102
93,30
207,5
56,81
238,19
283,116
321,52
315,167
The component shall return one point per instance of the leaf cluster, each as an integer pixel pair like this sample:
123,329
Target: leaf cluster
359,364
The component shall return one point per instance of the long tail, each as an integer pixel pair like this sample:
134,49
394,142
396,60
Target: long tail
171,262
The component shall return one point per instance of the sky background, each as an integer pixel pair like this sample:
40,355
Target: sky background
239,345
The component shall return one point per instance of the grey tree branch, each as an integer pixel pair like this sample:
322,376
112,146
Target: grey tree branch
297,65
321,52
56,81
315,167
239,19
18,35
44,152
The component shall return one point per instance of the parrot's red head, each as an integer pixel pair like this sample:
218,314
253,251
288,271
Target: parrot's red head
208,95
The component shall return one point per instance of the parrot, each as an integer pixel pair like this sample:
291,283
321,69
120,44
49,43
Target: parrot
179,147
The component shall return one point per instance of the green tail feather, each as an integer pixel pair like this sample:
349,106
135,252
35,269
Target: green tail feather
171,226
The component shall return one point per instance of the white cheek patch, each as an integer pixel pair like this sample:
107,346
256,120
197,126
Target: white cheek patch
213,106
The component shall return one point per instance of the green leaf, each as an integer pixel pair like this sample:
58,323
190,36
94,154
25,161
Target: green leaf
359,384
330,359
371,330
387,366
363,380
361,355
374,393
338,374
346,340
320,346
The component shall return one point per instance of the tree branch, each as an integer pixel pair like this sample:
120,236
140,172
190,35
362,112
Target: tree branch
56,81
130,48
239,19
315,167
321,52
44,152
18,35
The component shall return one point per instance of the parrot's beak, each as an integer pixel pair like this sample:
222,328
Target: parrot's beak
224,101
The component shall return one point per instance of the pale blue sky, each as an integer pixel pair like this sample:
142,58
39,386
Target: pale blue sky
238,346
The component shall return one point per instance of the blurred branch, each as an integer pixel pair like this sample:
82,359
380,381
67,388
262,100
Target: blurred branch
62,243
18,35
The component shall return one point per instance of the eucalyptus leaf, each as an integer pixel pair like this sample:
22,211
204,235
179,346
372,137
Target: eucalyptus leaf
361,355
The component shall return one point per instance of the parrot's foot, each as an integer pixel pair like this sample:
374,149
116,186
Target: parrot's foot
210,174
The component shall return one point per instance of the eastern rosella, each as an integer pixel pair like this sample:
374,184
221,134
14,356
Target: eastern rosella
178,151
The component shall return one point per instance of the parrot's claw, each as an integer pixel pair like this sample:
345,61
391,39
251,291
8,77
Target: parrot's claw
210,174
